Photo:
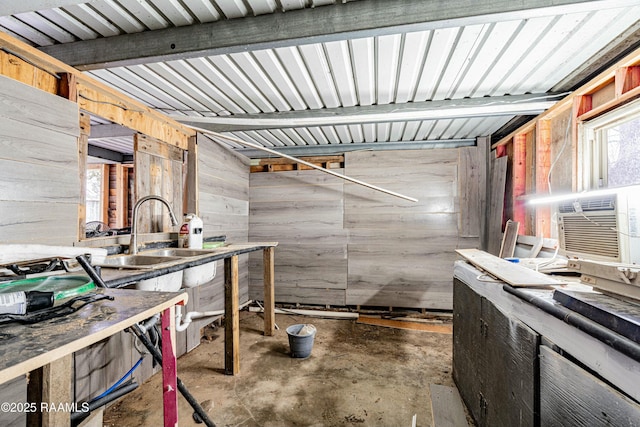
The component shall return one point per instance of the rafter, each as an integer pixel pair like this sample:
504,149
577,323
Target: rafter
430,110
321,24
8,8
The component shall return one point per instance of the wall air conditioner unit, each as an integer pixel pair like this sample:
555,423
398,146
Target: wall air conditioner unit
603,228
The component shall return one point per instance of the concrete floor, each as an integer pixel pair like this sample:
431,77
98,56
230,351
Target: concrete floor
357,375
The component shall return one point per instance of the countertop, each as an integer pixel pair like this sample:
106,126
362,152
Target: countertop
120,277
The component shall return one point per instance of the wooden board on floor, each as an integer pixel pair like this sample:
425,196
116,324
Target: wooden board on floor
446,407
401,324
513,274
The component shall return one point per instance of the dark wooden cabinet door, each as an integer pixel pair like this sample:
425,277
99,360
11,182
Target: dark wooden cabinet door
495,362
468,346
510,386
571,396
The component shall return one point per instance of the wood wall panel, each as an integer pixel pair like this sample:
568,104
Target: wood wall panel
223,191
34,107
39,180
498,176
39,176
158,168
471,185
223,205
405,258
303,211
344,244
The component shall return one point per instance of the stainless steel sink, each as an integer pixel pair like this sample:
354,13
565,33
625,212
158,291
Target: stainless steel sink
193,276
139,261
178,252
159,258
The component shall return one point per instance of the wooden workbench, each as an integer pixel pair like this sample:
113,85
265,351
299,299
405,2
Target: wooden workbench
229,253
44,350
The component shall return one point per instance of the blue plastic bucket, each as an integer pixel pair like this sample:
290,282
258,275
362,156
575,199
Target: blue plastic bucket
301,340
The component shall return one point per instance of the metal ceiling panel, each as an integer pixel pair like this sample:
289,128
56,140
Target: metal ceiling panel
447,62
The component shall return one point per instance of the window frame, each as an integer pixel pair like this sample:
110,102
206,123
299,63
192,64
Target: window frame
104,190
593,167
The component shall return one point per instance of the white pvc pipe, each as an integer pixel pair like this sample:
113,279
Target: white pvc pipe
311,313
183,324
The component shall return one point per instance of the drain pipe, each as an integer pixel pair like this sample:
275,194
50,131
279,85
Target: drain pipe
183,324
151,322
157,355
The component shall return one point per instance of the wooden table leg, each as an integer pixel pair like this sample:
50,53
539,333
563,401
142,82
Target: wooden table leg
231,317
269,292
169,369
49,390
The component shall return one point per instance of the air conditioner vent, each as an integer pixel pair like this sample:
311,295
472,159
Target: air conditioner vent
590,204
590,235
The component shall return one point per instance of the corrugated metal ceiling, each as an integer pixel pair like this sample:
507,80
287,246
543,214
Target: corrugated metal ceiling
488,60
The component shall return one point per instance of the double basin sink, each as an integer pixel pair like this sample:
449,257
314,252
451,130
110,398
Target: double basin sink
161,258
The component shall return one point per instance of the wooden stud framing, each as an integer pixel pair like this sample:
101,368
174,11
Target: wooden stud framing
114,107
105,193
120,189
33,67
231,317
22,71
618,85
582,104
627,78
282,164
543,164
519,176
269,291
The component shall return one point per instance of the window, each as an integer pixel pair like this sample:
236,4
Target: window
611,149
95,196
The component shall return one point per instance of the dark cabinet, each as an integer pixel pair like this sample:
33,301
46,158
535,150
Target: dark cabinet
572,396
495,362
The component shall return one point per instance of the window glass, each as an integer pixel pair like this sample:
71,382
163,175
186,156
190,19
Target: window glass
94,194
610,149
623,154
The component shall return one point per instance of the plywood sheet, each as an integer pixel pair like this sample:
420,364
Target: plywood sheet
511,273
496,204
471,187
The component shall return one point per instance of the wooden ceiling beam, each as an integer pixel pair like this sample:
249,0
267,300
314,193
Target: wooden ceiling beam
98,99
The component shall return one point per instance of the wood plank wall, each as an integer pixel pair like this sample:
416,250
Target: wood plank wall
223,205
304,212
343,244
38,140
158,170
39,180
401,253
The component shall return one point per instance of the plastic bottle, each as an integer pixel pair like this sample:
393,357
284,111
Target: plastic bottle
191,232
25,302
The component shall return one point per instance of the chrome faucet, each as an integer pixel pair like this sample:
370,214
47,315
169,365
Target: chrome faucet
133,244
